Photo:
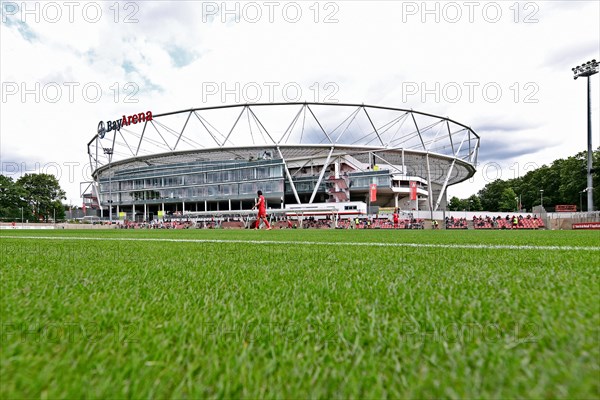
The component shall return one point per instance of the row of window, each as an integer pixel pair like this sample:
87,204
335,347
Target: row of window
195,167
365,181
237,175
199,193
304,186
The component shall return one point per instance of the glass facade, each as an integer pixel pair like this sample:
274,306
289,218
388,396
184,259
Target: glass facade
194,182
305,185
216,184
362,180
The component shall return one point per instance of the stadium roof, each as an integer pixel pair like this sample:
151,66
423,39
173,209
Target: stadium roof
293,130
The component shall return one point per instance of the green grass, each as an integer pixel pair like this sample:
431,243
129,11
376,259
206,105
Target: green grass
153,319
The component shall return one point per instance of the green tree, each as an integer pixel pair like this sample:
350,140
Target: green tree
471,204
572,173
57,210
508,200
562,182
490,195
43,194
11,199
474,204
457,204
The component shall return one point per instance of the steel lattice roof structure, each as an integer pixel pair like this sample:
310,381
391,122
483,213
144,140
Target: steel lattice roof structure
439,149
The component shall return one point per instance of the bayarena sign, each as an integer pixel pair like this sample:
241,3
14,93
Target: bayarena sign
116,125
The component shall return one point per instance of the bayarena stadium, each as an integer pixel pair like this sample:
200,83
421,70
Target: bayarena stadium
348,159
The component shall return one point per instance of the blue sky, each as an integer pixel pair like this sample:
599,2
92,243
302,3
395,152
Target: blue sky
502,68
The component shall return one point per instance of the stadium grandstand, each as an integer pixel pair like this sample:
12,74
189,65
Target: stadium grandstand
343,159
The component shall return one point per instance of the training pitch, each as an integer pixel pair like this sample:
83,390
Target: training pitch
299,314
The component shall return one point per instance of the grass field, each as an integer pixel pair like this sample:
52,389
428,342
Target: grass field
298,314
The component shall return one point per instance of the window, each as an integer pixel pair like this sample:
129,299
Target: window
212,191
173,181
383,180
153,182
246,188
276,171
247,174
226,189
127,185
197,192
262,172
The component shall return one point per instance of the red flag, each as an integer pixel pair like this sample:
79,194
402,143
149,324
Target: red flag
373,191
413,190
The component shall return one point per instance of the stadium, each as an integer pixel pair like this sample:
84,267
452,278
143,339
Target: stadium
336,156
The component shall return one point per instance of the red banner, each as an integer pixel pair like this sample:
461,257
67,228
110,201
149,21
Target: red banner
565,208
586,225
413,190
373,191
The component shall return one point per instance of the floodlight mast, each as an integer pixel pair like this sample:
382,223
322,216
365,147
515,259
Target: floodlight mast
588,69
109,152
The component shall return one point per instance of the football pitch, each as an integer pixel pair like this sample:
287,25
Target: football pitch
299,314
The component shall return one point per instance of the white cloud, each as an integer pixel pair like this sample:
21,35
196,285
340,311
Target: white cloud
374,54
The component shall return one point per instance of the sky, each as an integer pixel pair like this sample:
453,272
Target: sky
502,68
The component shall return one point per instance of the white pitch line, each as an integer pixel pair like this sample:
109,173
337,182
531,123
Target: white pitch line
296,243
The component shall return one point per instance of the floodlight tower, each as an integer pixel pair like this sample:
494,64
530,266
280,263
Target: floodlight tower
109,152
588,69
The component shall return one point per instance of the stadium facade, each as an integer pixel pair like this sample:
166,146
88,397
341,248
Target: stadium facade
215,158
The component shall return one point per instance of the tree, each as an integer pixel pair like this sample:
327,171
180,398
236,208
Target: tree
57,210
11,199
474,204
455,204
43,194
562,183
471,204
490,195
508,200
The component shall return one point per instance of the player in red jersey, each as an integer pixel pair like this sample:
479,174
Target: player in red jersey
395,215
262,211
